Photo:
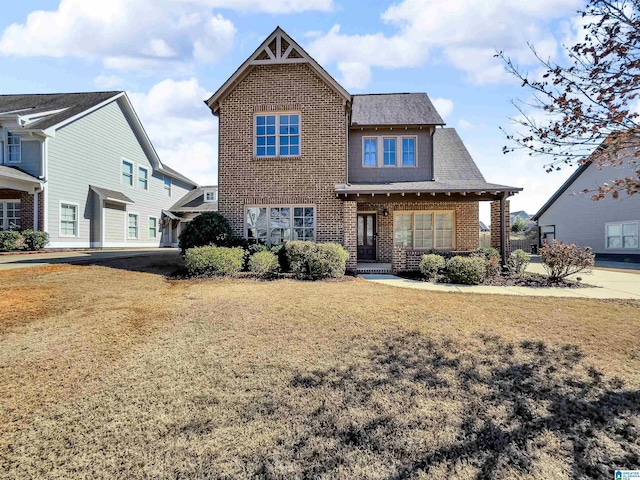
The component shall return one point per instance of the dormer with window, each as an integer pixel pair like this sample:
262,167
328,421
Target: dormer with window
211,195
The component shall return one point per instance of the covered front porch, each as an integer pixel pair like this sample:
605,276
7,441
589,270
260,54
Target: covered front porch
389,231
20,200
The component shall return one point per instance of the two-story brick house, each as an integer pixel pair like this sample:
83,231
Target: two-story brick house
301,158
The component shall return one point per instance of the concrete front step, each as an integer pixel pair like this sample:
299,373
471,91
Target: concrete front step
368,268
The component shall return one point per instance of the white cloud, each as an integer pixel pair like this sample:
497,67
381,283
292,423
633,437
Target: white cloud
109,82
181,127
444,106
463,33
129,35
465,125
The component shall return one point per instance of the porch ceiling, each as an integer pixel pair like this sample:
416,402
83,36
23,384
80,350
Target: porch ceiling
15,179
405,197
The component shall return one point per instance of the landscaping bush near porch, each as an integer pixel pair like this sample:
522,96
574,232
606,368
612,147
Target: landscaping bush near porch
561,259
214,260
26,240
313,261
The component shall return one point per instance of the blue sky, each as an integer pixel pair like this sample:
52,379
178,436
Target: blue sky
170,54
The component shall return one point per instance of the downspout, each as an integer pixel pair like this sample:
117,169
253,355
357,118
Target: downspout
45,189
503,229
433,155
346,137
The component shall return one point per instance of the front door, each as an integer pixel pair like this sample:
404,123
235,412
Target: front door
367,236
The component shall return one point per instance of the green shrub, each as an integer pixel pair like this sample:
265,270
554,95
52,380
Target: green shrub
10,240
313,261
430,264
488,252
518,261
214,260
264,263
466,270
35,240
208,228
560,259
519,225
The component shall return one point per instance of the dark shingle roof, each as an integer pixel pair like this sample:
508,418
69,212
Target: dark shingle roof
455,171
72,103
12,172
193,201
394,109
177,175
111,194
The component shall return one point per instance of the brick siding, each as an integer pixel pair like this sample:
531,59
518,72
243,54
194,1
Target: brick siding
495,225
309,179
26,206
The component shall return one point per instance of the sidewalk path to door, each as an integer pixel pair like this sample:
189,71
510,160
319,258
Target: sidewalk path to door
607,284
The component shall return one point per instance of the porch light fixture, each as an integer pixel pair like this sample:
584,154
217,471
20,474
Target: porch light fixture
385,213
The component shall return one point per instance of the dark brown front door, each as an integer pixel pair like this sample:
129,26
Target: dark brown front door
367,236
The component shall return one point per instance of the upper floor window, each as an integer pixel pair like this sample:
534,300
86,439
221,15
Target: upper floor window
622,235
210,196
277,135
389,159
167,185
396,151
14,142
370,152
127,173
143,178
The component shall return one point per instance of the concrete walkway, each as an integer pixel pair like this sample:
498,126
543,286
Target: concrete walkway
9,262
607,285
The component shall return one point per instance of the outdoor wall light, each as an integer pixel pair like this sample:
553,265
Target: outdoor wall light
385,212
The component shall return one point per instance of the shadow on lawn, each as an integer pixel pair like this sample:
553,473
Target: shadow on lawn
499,408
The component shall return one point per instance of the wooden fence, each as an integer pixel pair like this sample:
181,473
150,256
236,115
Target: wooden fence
523,244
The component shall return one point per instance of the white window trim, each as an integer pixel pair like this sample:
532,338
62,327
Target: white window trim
73,204
215,195
283,205
126,221
399,152
133,173
8,160
149,226
413,228
3,204
140,167
623,222
277,114
164,185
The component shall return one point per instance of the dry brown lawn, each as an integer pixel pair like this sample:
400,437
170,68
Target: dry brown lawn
112,373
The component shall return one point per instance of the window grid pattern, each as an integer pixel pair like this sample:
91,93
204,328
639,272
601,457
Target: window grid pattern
153,227
277,135
210,196
370,152
10,216
423,230
133,226
273,225
167,185
622,235
14,142
408,152
127,173
143,178
389,157
69,220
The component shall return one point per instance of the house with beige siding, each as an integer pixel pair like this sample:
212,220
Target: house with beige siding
300,158
610,226
81,167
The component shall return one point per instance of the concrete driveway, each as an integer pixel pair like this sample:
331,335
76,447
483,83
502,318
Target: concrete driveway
607,284
8,262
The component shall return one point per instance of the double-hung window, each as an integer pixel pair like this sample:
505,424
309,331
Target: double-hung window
408,151
370,152
273,225
10,215
143,178
389,159
153,227
424,230
14,142
623,235
127,173
68,220
132,231
277,135
167,186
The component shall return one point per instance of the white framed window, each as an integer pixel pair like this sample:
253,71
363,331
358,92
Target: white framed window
14,148
395,151
277,134
370,151
10,215
143,178
424,229
127,173
153,227
211,196
389,152
622,235
69,219
167,185
274,224
132,225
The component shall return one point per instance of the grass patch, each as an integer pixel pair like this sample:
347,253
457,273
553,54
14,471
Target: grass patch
138,376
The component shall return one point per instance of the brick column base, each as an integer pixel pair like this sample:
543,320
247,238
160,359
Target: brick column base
350,242
495,225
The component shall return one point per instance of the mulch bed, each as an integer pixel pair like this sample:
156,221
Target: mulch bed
507,280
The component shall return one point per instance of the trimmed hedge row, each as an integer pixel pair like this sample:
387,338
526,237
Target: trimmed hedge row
25,240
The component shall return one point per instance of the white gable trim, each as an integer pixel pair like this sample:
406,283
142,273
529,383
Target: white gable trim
275,58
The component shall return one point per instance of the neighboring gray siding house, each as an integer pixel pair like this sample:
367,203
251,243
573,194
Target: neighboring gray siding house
81,167
609,226
195,202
